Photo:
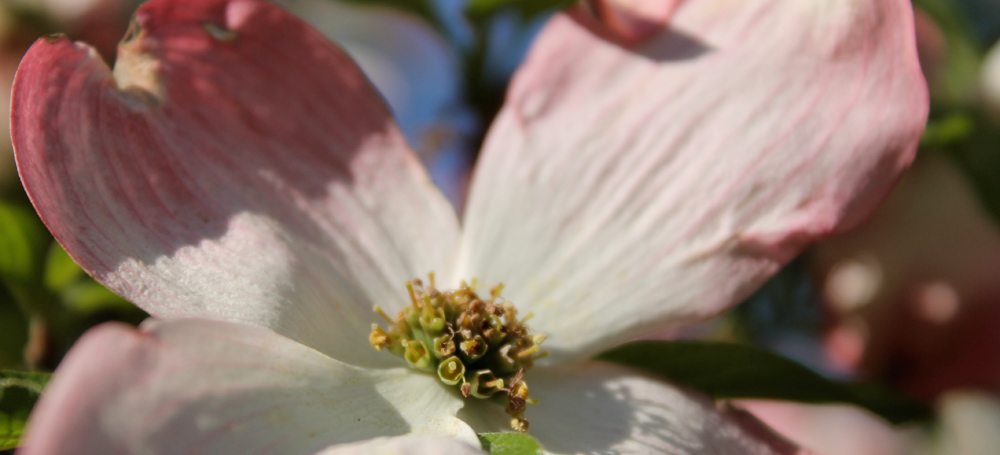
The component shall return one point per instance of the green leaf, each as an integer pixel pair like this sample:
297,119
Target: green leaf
23,240
956,82
19,390
510,444
731,371
479,9
949,130
88,297
13,332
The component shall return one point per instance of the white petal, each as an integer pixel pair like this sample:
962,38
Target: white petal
970,423
833,429
624,190
404,446
600,408
267,184
197,386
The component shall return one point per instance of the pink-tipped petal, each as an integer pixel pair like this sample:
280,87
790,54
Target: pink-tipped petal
206,387
624,190
628,21
236,165
834,429
596,407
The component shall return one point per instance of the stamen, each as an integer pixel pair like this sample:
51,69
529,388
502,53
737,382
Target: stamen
473,349
485,384
413,297
517,396
527,352
478,345
417,355
444,346
378,310
378,338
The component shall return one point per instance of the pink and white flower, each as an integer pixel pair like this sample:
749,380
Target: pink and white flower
237,177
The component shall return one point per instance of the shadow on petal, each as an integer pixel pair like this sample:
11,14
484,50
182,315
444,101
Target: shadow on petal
196,386
599,408
668,44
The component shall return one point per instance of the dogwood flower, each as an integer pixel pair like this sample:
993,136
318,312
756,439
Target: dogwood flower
236,176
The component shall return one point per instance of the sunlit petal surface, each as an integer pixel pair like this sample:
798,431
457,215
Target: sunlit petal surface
200,387
629,188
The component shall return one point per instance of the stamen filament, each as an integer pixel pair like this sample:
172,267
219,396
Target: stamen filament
378,310
413,297
527,352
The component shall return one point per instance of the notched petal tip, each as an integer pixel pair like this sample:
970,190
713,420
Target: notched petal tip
54,37
628,22
137,72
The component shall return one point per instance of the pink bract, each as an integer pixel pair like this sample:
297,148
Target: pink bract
236,166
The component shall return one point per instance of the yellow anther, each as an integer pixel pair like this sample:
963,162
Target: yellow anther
495,292
378,338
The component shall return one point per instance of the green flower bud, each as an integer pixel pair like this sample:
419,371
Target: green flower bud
473,349
451,371
418,356
485,384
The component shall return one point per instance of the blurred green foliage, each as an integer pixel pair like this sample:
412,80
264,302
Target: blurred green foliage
23,241
18,393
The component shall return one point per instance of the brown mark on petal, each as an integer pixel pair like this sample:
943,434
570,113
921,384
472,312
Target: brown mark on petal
219,32
53,37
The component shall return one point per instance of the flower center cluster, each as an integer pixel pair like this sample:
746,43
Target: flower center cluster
477,344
